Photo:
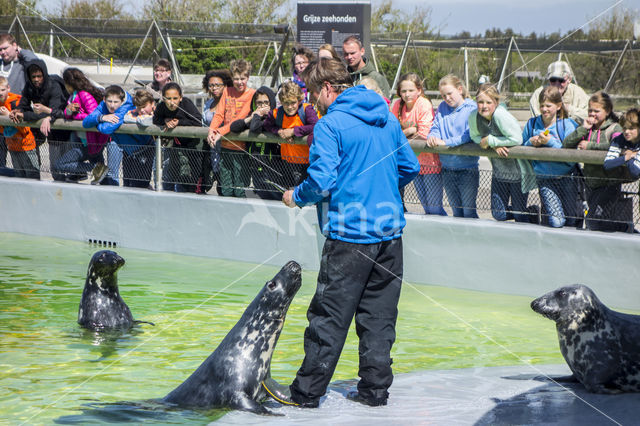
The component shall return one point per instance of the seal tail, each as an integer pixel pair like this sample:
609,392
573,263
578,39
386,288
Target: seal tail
144,322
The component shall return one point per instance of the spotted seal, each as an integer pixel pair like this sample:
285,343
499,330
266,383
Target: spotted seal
601,346
232,375
101,306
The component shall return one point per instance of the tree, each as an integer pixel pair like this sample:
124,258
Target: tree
617,25
23,7
184,10
387,19
257,12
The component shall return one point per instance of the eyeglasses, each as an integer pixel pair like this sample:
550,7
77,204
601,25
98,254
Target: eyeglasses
556,80
301,63
161,70
262,103
214,85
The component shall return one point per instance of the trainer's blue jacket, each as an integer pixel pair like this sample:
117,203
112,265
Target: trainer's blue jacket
129,143
358,161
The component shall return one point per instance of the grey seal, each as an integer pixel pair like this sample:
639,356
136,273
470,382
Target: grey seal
232,376
101,306
601,346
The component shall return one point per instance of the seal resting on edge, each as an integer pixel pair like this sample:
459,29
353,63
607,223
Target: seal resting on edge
101,306
232,375
601,346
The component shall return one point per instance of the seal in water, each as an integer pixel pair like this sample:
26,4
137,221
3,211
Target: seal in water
101,306
232,375
601,346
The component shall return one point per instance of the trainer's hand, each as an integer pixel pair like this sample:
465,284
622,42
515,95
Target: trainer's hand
287,198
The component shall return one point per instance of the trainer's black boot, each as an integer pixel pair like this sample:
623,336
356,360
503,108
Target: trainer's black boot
356,397
282,394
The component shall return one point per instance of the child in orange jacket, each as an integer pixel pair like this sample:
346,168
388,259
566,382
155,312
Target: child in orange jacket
20,141
292,118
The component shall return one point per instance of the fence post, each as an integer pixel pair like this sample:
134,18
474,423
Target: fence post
158,177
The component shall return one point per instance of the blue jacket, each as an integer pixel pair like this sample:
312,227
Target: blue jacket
452,126
129,143
558,131
358,161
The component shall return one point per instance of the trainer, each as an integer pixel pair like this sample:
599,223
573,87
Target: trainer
358,161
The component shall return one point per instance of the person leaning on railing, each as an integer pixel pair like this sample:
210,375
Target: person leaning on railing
558,189
623,156
235,103
596,133
265,162
460,175
185,160
492,126
43,98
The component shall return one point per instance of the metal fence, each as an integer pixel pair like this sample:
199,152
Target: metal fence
259,171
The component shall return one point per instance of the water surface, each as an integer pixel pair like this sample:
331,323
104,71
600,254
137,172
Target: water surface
52,369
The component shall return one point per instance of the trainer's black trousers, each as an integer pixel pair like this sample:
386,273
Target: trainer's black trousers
354,279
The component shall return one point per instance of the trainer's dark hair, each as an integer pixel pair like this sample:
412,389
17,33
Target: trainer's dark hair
327,69
116,90
172,86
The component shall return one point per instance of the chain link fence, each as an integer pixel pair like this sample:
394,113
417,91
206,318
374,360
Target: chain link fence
569,200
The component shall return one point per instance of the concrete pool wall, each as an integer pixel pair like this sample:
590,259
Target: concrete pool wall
484,255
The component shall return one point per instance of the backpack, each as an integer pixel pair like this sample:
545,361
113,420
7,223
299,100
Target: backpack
301,114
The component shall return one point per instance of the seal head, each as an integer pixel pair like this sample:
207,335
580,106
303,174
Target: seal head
232,375
101,306
601,346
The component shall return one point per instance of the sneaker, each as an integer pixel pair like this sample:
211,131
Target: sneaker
356,397
282,394
99,172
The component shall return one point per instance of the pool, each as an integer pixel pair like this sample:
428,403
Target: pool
51,368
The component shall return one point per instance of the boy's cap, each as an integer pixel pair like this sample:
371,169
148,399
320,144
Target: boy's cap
558,69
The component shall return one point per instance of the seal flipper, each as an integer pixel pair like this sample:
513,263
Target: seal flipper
241,401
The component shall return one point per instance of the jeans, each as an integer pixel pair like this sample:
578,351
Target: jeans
559,197
354,279
429,190
76,161
501,191
114,160
461,186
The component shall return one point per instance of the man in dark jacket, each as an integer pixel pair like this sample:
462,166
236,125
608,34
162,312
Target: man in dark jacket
353,52
43,98
356,192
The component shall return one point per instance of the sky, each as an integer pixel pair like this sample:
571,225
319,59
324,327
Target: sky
523,16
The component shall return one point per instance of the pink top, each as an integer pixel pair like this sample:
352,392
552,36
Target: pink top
95,141
421,116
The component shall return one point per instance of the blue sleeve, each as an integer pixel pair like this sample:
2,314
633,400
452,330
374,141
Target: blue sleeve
408,166
324,160
613,158
527,132
634,166
109,128
435,129
93,119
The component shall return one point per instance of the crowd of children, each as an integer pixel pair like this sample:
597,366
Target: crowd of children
570,195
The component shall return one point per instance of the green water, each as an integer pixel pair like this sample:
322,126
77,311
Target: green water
50,367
